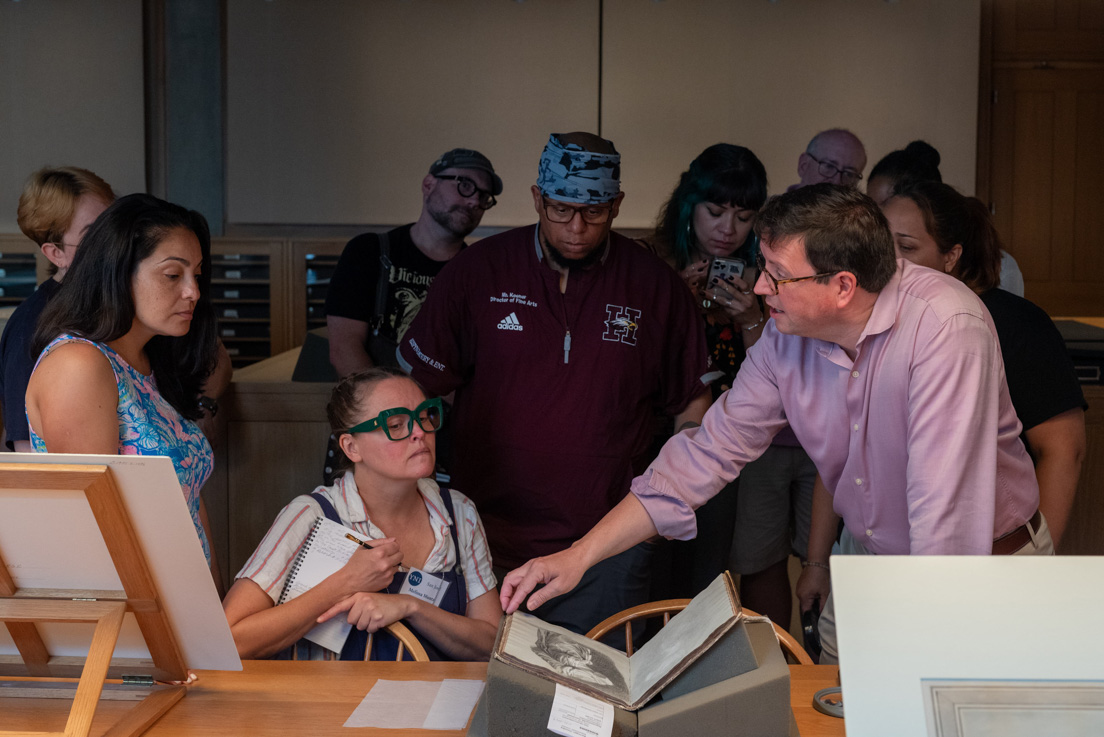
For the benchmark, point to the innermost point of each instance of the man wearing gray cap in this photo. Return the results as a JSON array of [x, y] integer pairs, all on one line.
[[560, 341], [381, 279]]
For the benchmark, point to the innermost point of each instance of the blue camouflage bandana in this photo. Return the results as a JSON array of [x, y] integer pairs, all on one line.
[[570, 174]]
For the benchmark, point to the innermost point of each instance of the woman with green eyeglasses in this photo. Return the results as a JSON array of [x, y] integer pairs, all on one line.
[[385, 429]]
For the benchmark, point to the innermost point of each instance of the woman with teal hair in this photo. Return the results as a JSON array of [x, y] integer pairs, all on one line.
[[710, 216]]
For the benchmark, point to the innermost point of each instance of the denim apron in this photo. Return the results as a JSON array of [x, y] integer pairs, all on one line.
[[384, 645]]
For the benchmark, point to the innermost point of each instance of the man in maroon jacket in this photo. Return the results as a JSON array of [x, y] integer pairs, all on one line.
[[560, 341]]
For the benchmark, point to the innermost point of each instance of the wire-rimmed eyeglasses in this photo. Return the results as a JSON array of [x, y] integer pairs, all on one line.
[[828, 170]]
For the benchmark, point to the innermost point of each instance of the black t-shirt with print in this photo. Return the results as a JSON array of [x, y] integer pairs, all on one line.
[[352, 292]]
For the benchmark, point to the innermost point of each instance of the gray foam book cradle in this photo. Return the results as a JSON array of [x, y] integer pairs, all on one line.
[[739, 687]]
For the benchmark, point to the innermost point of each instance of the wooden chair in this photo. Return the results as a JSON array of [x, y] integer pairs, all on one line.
[[406, 638], [668, 607], [407, 641]]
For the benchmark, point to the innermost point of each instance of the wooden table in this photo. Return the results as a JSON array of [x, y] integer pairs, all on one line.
[[284, 698]]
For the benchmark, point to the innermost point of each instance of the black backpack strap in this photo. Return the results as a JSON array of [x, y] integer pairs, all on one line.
[[461, 584], [383, 282], [327, 507]]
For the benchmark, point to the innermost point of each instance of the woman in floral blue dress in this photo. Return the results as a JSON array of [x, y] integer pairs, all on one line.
[[127, 344]]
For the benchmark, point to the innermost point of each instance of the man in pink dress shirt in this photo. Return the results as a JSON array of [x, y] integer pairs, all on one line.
[[891, 377]]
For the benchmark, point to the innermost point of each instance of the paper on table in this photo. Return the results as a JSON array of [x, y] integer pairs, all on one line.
[[446, 704], [575, 714], [453, 705]]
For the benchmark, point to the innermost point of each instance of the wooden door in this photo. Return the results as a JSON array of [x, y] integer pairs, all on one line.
[[1048, 29], [1042, 145], [1047, 182]]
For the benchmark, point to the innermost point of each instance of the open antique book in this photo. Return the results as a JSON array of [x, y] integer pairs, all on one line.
[[608, 674]]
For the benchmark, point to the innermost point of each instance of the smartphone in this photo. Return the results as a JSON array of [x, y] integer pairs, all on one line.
[[722, 268], [810, 630]]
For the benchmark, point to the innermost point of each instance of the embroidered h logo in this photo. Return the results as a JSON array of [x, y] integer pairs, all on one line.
[[621, 324]]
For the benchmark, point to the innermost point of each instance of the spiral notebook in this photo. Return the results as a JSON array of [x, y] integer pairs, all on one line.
[[327, 548]]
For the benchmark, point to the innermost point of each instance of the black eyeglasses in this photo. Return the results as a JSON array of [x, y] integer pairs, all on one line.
[[558, 212], [775, 282], [828, 170], [468, 188], [398, 423]]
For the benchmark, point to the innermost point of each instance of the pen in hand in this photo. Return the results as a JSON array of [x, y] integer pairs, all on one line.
[[367, 546]]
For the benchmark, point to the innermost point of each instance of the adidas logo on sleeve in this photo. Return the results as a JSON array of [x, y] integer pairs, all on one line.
[[510, 322]]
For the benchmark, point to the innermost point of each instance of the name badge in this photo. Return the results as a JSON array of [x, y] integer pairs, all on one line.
[[426, 586]]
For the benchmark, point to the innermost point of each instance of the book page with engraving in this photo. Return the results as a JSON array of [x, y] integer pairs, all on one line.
[[568, 657]]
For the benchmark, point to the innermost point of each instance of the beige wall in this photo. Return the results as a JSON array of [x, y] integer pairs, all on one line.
[[681, 75], [334, 117], [70, 93], [336, 109]]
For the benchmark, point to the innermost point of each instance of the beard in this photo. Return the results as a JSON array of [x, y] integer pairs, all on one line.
[[458, 220], [573, 264]]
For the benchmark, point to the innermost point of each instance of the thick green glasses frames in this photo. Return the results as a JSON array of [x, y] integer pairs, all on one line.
[[398, 423]]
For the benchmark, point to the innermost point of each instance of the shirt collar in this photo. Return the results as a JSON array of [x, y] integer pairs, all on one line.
[[540, 250], [354, 505], [882, 318], [884, 314]]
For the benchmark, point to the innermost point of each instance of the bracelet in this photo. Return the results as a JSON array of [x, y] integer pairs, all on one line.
[[815, 564], [754, 325]]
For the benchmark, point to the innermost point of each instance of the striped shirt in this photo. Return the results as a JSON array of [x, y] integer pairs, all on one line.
[[271, 561]]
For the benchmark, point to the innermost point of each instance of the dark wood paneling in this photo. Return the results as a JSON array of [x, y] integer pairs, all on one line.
[[1049, 29], [276, 439], [1046, 190]]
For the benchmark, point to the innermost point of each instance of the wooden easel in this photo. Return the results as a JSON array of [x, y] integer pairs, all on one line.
[[22, 610]]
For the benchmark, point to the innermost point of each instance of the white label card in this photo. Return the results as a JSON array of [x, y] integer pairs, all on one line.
[[426, 586], [575, 714]]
